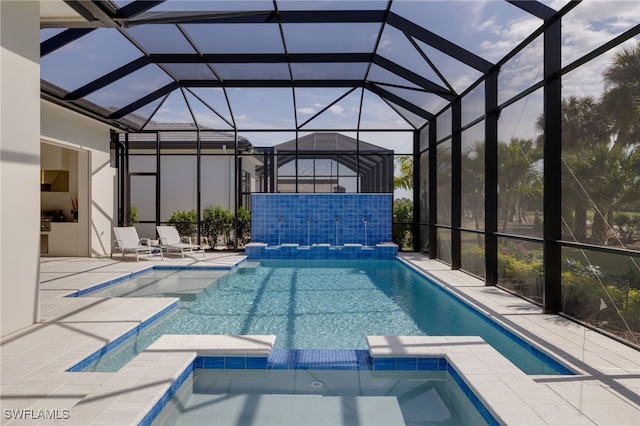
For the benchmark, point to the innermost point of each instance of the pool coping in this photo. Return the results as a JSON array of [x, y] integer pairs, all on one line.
[[500, 391], [94, 287]]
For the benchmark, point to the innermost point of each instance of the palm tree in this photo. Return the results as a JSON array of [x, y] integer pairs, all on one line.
[[583, 127], [443, 183], [583, 123], [473, 164], [620, 100], [518, 178], [606, 176], [405, 179]]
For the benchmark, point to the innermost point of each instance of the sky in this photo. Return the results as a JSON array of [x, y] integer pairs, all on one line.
[[489, 29]]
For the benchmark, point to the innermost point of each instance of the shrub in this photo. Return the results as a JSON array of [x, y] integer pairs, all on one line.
[[402, 218], [243, 216], [185, 221], [473, 260], [133, 215], [523, 276], [217, 222], [521, 269]]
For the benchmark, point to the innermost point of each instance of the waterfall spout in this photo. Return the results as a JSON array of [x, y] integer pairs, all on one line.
[[364, 221]]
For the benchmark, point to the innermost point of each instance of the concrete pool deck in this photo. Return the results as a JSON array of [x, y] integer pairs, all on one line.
[[606, 390]]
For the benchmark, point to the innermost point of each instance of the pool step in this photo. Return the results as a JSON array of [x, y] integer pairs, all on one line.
[[310, 410]]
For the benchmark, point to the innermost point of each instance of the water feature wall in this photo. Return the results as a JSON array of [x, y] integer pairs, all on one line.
[[322, 223]]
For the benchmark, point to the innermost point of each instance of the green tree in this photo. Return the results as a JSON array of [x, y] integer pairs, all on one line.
[[402, 218], [583, 126], [608, 175], [583, 123], [473, 164], [622, 92], [404, 180], [518, 178], [443, 182]]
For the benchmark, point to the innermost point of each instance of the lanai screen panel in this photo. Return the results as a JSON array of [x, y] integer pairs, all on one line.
[[129, 56]]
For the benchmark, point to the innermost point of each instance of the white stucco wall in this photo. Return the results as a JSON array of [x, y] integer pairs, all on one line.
[[19, 164], [178, 185], [67, 128]]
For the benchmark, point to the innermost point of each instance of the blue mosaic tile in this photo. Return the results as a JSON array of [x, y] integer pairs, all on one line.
[[319, 359], [308, 219], [384, 363], [235, 363], [257, 363], [105, 284], [406, 363], [162, 402], [315, 252], [428, 364], [484, 412], [213, 362]]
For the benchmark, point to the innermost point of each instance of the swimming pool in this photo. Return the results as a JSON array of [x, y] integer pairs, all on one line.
[[314, 304], [321, 397]]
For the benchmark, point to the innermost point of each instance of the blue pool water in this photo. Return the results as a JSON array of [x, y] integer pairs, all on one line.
[[313, 304]]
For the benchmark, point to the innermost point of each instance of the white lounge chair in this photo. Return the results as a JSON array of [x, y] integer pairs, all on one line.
[[127, 241], [170, 240]]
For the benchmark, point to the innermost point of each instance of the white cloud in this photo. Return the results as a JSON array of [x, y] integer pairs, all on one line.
[[489, 25], [385, 43], [590, 25], [306, 111], [336, 109]]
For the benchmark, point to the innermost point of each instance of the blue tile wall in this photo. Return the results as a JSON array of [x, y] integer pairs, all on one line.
[[320, 359], [166, 397], [315, 252], [283, 218]]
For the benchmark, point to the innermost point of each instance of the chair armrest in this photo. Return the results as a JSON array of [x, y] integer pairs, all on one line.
[[185, 240], [117, 244], [145, 242]]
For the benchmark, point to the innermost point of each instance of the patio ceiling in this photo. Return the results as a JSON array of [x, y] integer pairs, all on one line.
[[218, 64]]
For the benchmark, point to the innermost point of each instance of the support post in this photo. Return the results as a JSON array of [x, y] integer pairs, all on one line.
[[456, 184], [552, 198], [415, 225], [433, 196], [198, 184], [158, 179], [491, 178]]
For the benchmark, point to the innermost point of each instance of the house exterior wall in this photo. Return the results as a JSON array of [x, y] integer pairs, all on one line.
[[96, 177], [19, 164], [178, 186]]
